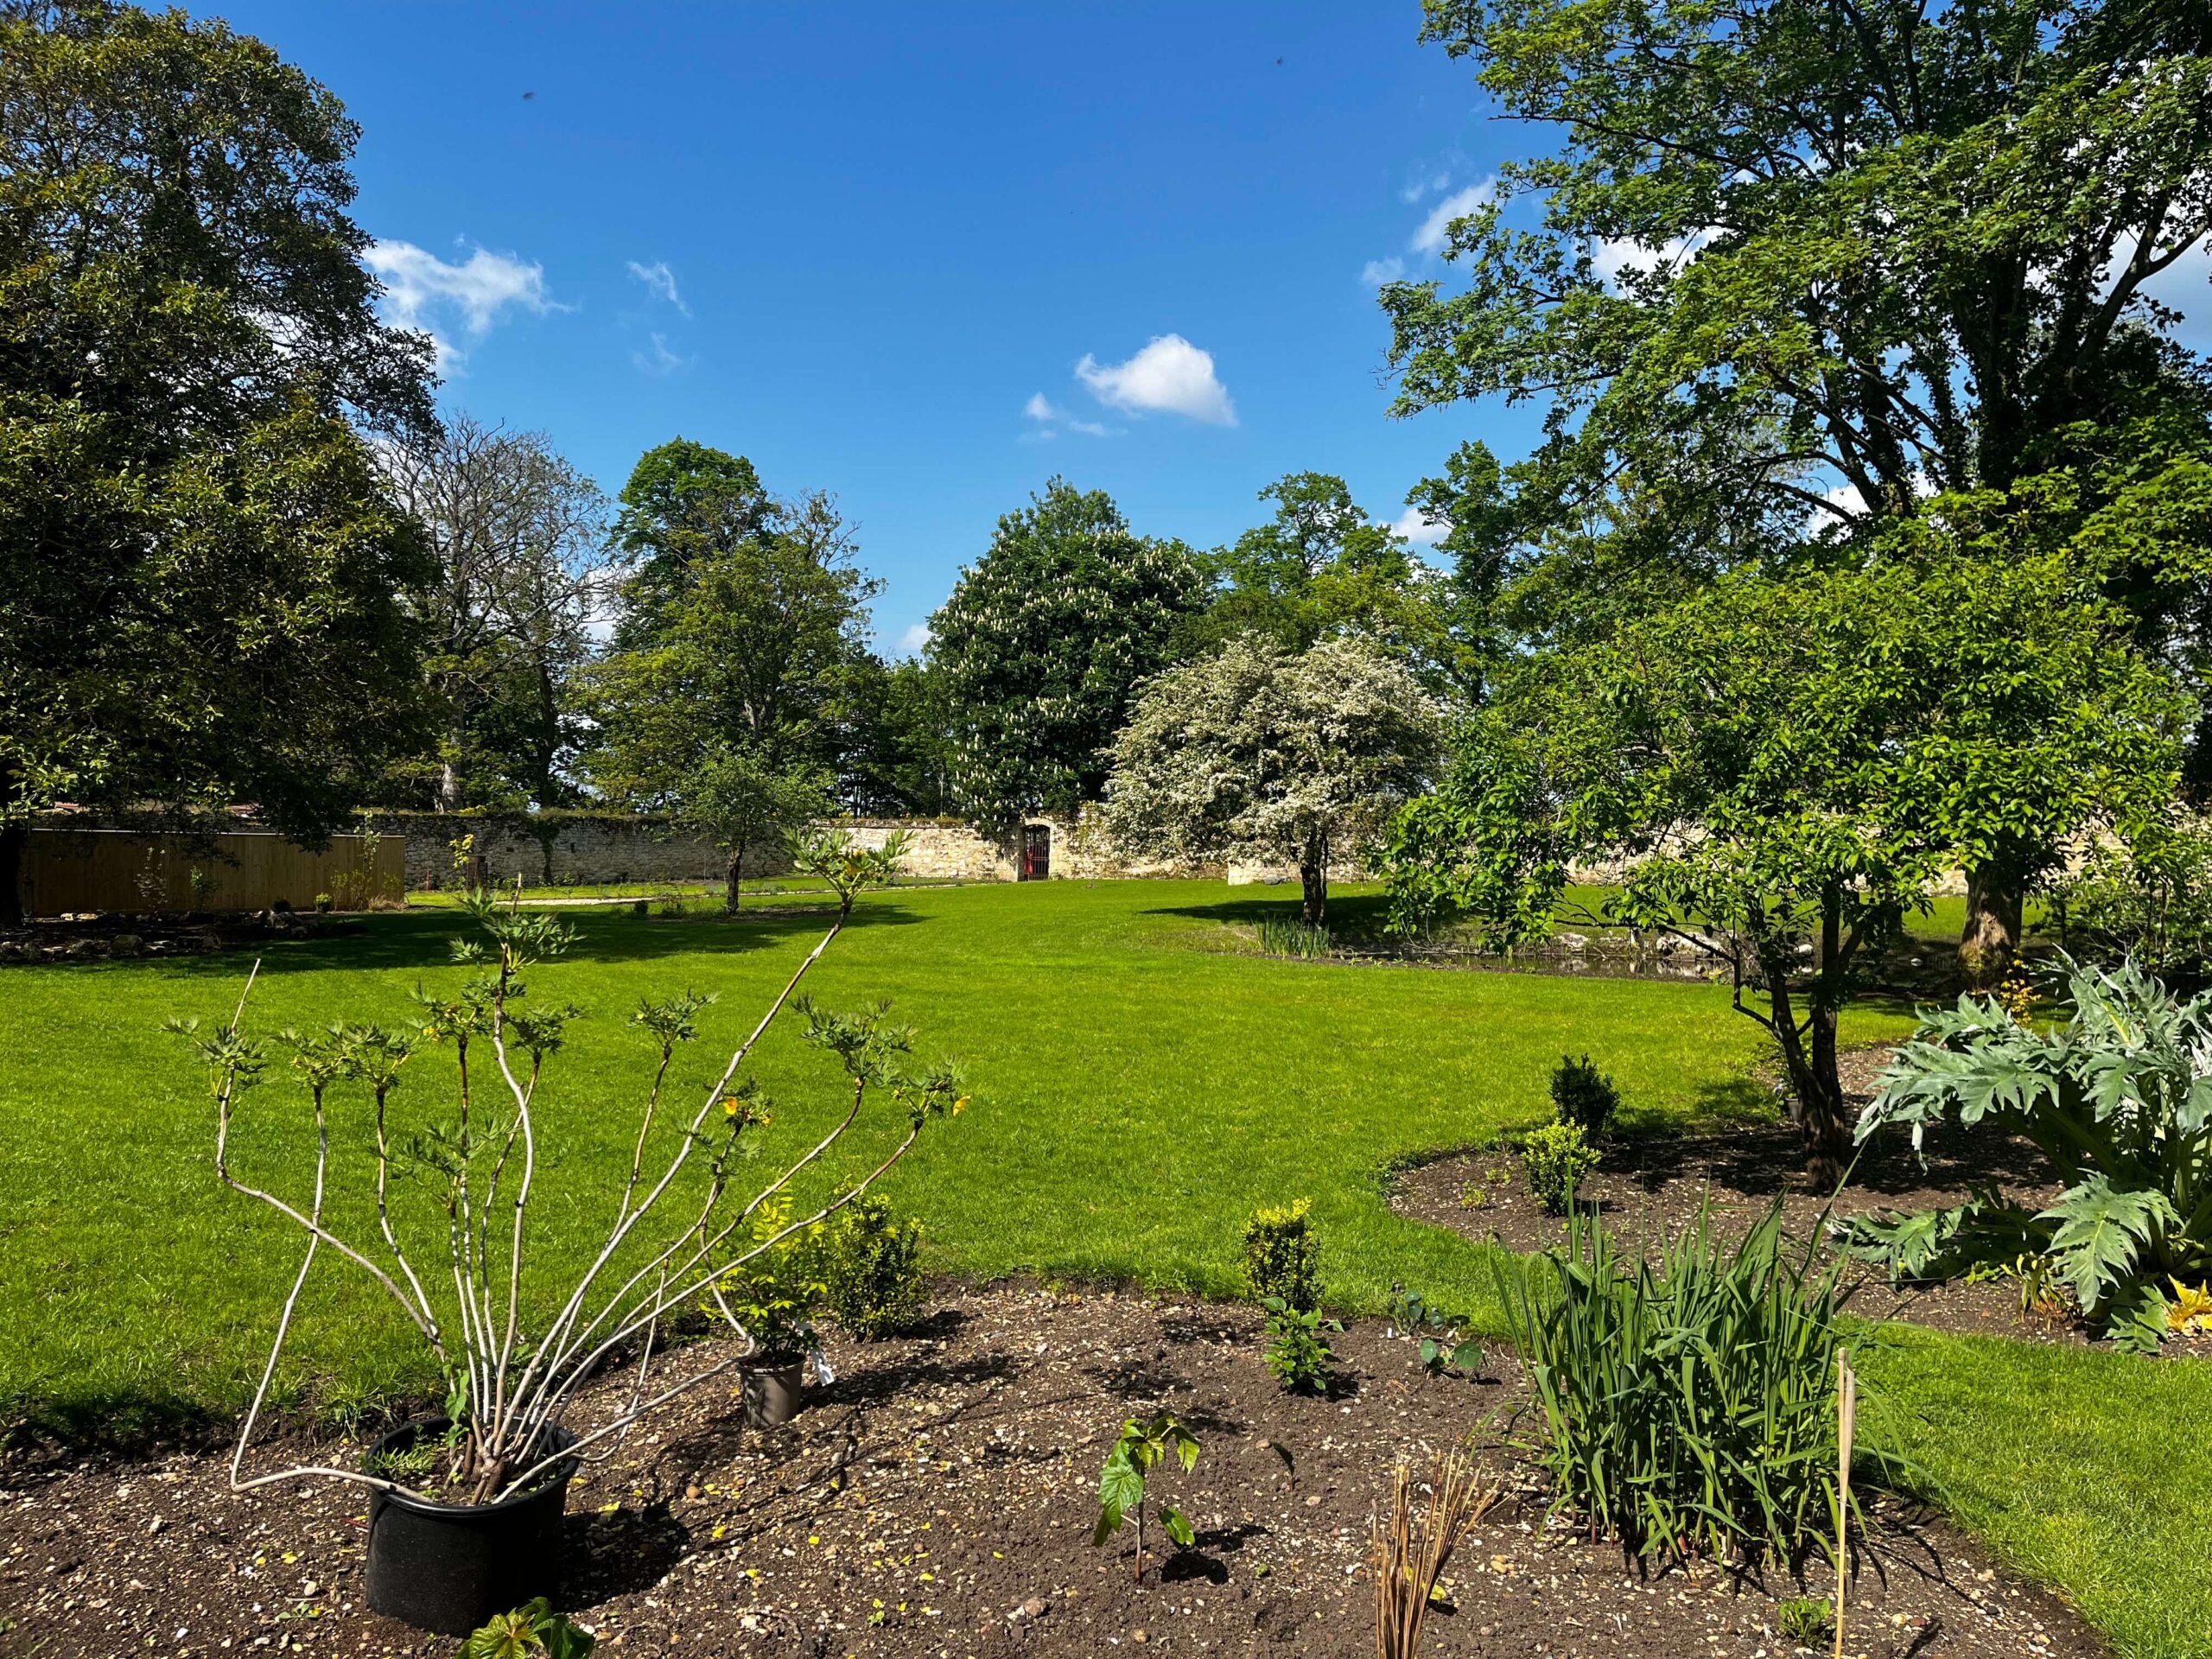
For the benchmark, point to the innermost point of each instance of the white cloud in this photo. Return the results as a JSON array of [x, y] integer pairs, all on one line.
[[422, 289], [1169, 373], [1420, 532], [1093, 429], [1612, 258], [662, 360], [1429, 239], [660, 283], [1376, 272], [1421, 187], [915, 641], [1039, 407]]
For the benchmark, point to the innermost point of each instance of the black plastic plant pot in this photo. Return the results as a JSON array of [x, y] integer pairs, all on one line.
[[449, 1567]]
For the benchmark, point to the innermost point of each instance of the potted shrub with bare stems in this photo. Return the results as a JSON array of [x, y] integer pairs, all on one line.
[[466, 1506]]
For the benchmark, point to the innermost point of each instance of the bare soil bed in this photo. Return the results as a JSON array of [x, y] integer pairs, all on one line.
[[1648, 1188], [938, 1499]]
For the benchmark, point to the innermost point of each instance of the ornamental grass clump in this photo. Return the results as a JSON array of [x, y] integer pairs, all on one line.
[[445, 1220], [1688, 1406]]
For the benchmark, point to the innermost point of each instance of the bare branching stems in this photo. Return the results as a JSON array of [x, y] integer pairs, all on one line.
[[1409, 1553], [508, 1387]]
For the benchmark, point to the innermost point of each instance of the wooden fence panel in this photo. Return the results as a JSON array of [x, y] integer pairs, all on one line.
[[74, 871]]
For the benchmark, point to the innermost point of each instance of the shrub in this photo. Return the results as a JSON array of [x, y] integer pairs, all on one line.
[[514, 1364], [1688, 1409], [2114, 1098], [1804, 1619], [1556, 1158], [771, 1295], [869, 1263], [1298, 1354], [2150, 904], [1584, 1096], [1282, 1256]]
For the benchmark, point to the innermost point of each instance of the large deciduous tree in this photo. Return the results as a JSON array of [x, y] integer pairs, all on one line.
[[519, 537], [202, 566], [1789, 764], [1791, 258], [1320, 567], [1256, 752], [741, 629], [1041, 645]]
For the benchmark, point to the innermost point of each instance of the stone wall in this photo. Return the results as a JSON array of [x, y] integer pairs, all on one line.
[[560, 849]]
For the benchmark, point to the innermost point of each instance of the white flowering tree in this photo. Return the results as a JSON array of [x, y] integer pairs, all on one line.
[[1259, 753]]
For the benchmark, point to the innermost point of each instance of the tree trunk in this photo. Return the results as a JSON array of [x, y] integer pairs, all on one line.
[[730, 881], [1314, 879], [14, 839], [448, 788], [1992, 938], [1816, 1102]]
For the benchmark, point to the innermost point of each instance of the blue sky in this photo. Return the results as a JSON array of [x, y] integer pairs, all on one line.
[[858, 243]]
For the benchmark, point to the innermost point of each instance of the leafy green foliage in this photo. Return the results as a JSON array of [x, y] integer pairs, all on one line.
[[203, 568], [1282, 1256], [1299, 1354], [1584, 1096], [2149, 902], [1142, 1447], [771, 1296], [1448, 1342], [1555, 1158], [1689, 1407], [531, 1629], [1041, 648], [870, 1263], [740, 639], [1804, 1619], [1321, 569], [1842, 738], [2115, 1097]]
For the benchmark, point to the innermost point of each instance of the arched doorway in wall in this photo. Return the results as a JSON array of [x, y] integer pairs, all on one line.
[[1036, 852]]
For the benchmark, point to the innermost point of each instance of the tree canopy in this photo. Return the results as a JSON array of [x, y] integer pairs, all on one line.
[[1794, 269], [741, 629], [1042, 644], [1257, 753], [1787, 765], [202, 565]]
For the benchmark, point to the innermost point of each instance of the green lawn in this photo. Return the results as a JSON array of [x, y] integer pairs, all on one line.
[[1136, 1096]]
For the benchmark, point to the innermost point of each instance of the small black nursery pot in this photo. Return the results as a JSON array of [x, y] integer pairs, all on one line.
[[448, 1567]]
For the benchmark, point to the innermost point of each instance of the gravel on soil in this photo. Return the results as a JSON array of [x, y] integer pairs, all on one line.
[[938, 1499]]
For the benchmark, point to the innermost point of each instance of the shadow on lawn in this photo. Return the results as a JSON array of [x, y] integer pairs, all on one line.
[[422, 939]]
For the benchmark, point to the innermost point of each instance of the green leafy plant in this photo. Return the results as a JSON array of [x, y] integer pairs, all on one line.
[[2115, 1097], [869, 1263], [771, 1296], [1556, 1157], [1804, 1619], [1584, 1096], [531, 1629], [1687, 1406], [1282, 937], [322, 902], [1298, 1354], [1142, 1447], [2150, 904], [1446, 1342], [1282, 1255]]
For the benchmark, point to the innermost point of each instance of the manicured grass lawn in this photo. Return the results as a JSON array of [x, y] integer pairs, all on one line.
[[1138, 1092]]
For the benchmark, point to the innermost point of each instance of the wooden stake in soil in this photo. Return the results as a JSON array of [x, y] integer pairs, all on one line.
[[1409, 1558], [1846, 1414]]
